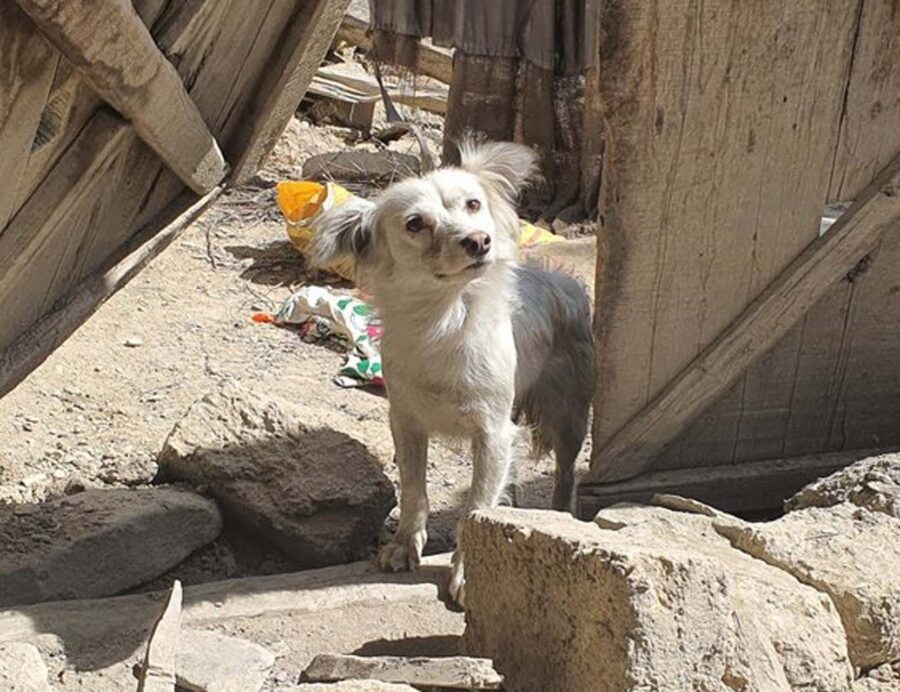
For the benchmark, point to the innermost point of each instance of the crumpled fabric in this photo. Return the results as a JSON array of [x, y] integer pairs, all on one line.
[[341, 321]]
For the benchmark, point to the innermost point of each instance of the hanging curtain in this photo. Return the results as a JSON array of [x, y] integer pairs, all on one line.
[[520, 72]]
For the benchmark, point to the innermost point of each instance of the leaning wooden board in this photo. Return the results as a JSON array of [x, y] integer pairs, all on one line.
[[727, 127], [97, 148]]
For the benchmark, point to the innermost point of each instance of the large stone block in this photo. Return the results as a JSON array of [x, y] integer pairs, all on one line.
[[660, 603], [317, 493]]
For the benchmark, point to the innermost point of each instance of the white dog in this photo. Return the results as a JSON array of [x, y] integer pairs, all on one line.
[[472, 341]]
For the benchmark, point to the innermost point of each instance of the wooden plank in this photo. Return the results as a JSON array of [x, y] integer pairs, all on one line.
[[431, 60], [720, 121], [821, 266], [32, 347], [76, 171], [344, 85], [832, 383], [70, 103], [302, 47], [109, 44], [758, 487], [27, 65]]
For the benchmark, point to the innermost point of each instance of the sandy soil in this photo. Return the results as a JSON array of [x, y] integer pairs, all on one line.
[[96, 413]]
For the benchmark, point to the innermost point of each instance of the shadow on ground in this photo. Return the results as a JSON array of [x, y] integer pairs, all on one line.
[[275, 264]]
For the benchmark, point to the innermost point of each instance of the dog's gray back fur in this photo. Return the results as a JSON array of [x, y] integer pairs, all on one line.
[[555, 367]]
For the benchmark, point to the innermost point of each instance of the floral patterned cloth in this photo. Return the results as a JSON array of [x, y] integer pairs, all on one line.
[[340, 321]]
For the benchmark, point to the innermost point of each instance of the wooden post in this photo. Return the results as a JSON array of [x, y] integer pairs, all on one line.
[[112, 49], [823, 264], [303, 45]]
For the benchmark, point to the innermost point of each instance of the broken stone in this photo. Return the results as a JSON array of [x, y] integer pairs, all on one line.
[[885, 678], [317, 493], [849, 553], [873, 483], [663, 602], [158, 669], [22, 669], [379, 168], [212, 662], [99, 542], [453, 672], [353, 686]]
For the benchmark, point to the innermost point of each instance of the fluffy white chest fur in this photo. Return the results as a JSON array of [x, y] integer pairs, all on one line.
[[450, 362]]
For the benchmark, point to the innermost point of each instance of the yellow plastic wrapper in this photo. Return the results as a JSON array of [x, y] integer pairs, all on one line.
[[531, 235], [301, 201]]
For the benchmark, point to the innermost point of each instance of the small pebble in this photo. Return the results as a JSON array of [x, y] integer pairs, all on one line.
[[134, 341]]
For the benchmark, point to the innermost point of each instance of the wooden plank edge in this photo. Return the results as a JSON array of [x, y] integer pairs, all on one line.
[[824, 263], [303, 44], [119, 60], [757, 487], [38, 342]]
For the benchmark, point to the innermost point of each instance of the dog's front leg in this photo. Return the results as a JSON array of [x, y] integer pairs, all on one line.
[[404, 552], [491, 454]]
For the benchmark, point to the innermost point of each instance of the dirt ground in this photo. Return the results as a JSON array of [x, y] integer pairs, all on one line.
[[96, 412]]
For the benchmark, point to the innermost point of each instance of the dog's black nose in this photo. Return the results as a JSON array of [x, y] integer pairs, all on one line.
[[476, 244]]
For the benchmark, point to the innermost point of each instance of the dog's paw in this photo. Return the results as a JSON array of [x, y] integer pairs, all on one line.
[[402, 556], [458, 580]]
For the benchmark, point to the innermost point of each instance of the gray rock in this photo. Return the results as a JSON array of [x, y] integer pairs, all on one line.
[[99, 542], [884, 678], [317, 493], [352, 686], [661, 603], [212, 662], [873, 483], [381, 167], [849, 553], [22, 669], [450, 672]]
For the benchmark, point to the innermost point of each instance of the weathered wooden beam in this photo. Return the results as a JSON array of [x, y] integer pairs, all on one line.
[[431, 61], [32, 347], [302, 46], [112, 49], [824, 263], [25, 81], [74, 174], [750, 488]]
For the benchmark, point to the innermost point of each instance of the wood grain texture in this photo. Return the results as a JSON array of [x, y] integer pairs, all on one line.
[[301, 50], [35, 344], [113, 50], [80, 209], [720, 121], [828, 385], [27, 66], [785, 301]]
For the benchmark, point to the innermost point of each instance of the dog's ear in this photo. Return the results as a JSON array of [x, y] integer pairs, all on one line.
[[344, 232], [506, 166]]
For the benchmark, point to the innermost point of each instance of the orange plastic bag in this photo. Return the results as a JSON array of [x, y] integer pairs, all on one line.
[[301, 201]]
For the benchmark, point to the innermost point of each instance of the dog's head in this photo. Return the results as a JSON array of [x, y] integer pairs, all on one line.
[[449, 226]]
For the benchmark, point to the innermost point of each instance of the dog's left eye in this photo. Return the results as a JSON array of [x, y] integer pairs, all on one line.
[[415, 224], [473, 205]]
